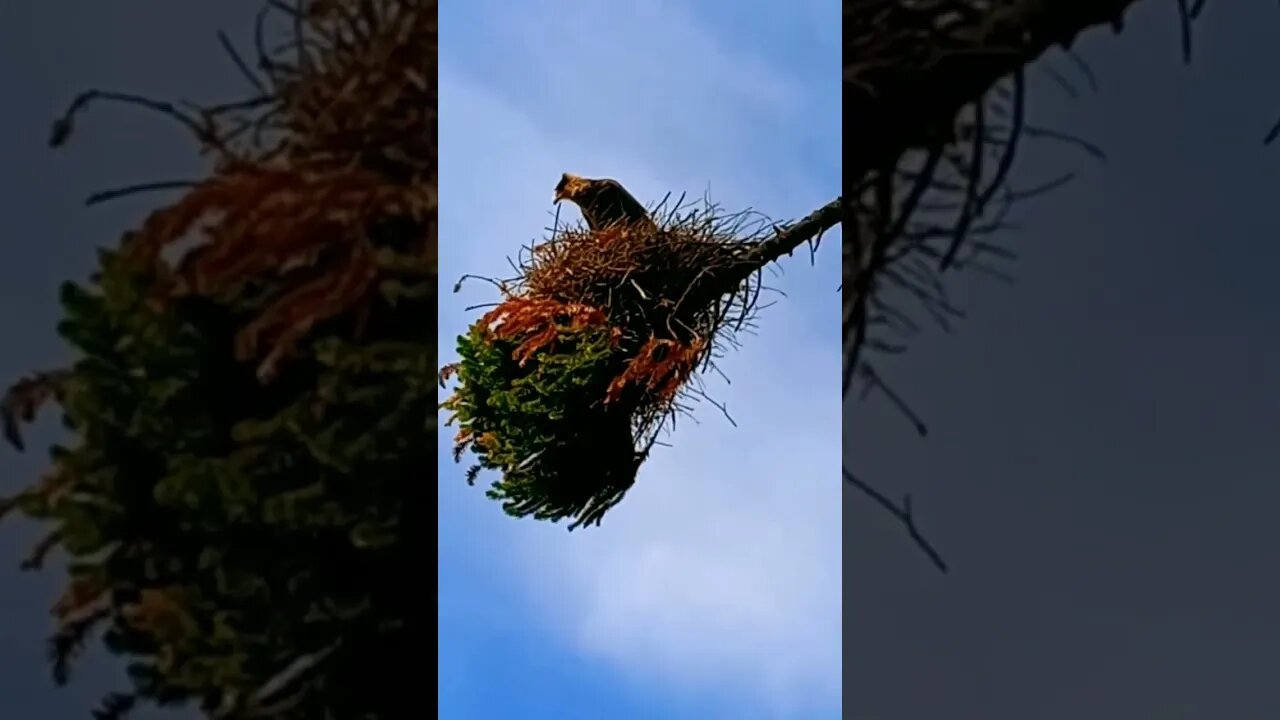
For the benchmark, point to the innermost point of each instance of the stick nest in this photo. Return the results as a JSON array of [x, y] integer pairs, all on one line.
[[598, 345]]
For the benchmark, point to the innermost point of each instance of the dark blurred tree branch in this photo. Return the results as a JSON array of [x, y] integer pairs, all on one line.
[[910, 68], [933, 110]]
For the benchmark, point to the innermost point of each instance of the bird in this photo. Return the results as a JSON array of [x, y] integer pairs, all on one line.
[[603, 202]]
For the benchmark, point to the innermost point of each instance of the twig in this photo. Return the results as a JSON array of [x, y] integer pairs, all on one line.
[[204, 133], [240, 63], [115, 193], [875, 382], [903, 513]]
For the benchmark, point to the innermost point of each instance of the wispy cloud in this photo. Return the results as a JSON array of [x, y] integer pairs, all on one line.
[[721, 569]]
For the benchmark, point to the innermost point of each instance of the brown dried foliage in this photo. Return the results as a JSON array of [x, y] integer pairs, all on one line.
[[535, 323], [307, 230], [340, 144], [81, 593], [660, 369], [343, 132], [160, 612]]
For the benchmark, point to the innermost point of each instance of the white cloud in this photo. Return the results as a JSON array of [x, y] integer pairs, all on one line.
[[721, 568], [723, 564]]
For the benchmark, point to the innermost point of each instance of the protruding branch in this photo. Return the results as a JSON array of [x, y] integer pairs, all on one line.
[[25, 398], [902, 512], [910, 71], [787, 239], [793, 236]]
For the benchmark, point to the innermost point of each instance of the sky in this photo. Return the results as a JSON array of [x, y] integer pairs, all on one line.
[[713, 590], [1102, 465]]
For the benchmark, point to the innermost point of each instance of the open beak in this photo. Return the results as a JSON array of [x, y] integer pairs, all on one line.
[[562, 188]]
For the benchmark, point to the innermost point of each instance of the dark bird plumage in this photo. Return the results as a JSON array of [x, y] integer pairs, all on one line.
[[603, 202]]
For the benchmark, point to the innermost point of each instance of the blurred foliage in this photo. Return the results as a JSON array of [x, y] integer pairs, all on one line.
[[246, 419]]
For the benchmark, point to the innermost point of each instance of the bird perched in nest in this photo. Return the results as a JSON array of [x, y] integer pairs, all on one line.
[[603, 202]]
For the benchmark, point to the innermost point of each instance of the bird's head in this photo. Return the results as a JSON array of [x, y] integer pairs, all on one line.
[[570, 186]]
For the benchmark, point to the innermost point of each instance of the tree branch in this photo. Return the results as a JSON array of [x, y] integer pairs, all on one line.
[[910, 67], [793, 236], [902, 512], [909, 71], [755, 257]]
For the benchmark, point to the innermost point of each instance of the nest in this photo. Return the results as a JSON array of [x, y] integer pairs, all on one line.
[[565, 386]]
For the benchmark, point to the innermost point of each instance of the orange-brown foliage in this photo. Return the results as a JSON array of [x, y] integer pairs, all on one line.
[[160, 612], [660, 367], [270, 223], [536, 322], [80, 593], [354, 125]]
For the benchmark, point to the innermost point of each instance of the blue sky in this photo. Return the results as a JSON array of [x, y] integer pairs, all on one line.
[[713, 591]]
